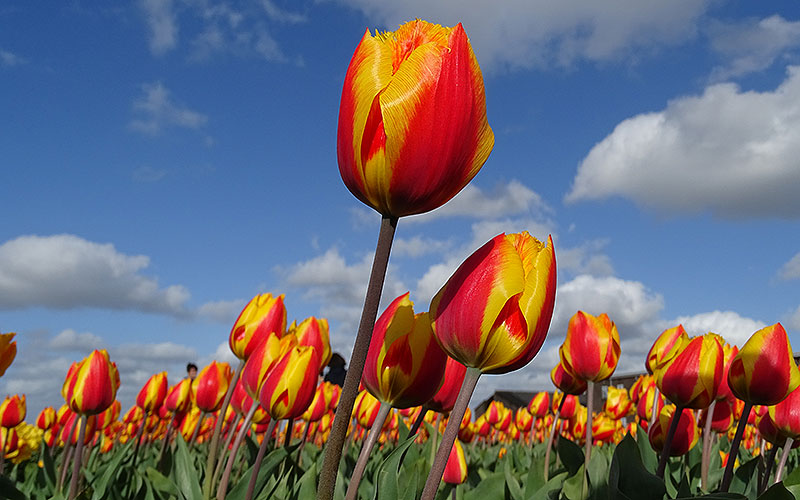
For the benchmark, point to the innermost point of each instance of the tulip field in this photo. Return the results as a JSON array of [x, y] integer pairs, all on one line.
[[706, 419]]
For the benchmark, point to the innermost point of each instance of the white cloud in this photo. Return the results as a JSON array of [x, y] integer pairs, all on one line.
[[70, 340], [585, 259], [700, 154], [67, 272], [791, 269], [753, 44], [161, 21], [536, 33], [156, 111], [10, 59], [281, 15], [222, 311], [417, 246], [794, 322], [735, 329]]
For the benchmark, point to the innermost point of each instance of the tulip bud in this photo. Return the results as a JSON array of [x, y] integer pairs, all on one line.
[[262, 360], [405, 365], [686, 435], [455, 472], [764, 371], [46, 419], [110, 415], [412, 121], [569, 407], [264, 315], [786, 415], [318, 406], [8, 351], [494, 312], [591, 349], [566, 382], [152, 394], [690, 379], [666, 347], [539, 404], [289, 387], [314, 332], [618, 404], [210, 386], [12, 411], [92, 384], [603, 428], [179, 396], [523, 419]]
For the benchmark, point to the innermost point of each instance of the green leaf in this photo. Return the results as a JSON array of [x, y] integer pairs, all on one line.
[[573, 486], [308, 484], [793, 478], [777, 492], [387, 486], [9, 490], [186, 476], [112, 469], [649, 458], [571, 455], [160, 482], [268, 464], [629, 478], [511, 482], [492, 487], [550, 489], [745, 478], [598, 475], [535, 478]]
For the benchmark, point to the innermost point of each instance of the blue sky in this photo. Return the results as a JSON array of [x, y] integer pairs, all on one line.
[[165, 160]]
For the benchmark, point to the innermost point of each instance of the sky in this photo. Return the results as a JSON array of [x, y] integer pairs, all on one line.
[[163, 161]]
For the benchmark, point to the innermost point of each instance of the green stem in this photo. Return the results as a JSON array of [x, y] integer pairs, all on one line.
[[165, 443], [366, 449], [262, 450], [333, 448], [550, 439], [76, 462], [208, 483], [782, 464], [767, 469], [728, 476], [707, 446], [588, 446], [673, 426], [226, 476], [450, 433]]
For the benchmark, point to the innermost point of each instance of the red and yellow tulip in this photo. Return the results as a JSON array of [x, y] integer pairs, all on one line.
[[264, 315], [179, 396], [666, 347], [92, 384], [46, 418], [786, 415], [405, 365], [262, 360], [12, 411], [494, 312], [764, 371], [539, 404], [566, 382], [690, 379], [314, 332], [618, 404], [455, 472], [8, 351], [412, 121], [686, 434], [289, 387], [444, 400], [152, 394], [210, 386], [591, 350]]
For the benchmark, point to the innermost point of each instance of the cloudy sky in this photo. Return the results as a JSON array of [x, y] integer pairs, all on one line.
[[165, 160]]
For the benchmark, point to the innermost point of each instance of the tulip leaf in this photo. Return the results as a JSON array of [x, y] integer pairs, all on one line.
[[571, 455], [777, 492], [112, 468], [551, 489], [9, 490], [492, 486], [745, 478], [648, 457], [268, 464], [160, 482], [535, 477], [307, 485], [511, 482], [598, 474], [573, 486], [186, 476], [628, 477], [793, 478], [386, 479]]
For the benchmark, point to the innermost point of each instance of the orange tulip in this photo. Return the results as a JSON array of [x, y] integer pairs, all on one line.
[[210, 386], [405, 365], [494, 312], [8, 351], [591, 350], [264, 315], [764, 371], [412, 121], [152, 394], [92, 384], [12, 411]]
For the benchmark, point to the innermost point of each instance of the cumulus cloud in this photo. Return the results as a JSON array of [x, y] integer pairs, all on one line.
[[67, 272], [155, 110], [162, 23], [282, 15], [734, 328], [791, 269], [222, 311], [753, 44], [538, 33], [699, 155], [586, 258], [417, 246], [70, 340]]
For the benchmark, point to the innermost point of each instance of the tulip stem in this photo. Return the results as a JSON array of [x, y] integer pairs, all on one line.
[[787, 447], [212, 448], [450, 433], [770, 461], [76, 462], [366, 449], [226, 476], [552, 436], [673, 426], [165, 443], [197, 428], [706, 460], [68, 451], [333, 448], [262, 450], [139, 433], [221, 459], [418, 422], [654, 409], [588, 445], [734, 450]]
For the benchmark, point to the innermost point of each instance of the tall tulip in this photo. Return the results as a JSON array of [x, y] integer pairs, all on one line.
[[591, 349], [314, 332], [289, 387], [179, 396], [262, 316], [492, 315], [666, 347], [152, 394], [8, 351], [763, 372], [685, 437], [92, 384], [539, 404], [412, 133], [690, 379], [211, 385], [262, 360]]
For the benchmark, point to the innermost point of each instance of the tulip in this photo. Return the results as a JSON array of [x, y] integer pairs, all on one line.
[[523, 420], [539, 404], [92, 384], [314, 332], [591, 350], [649, 397], [110, 415], [289, 387], [262, 360], [603, 428], [319, 404], [264, 315], [722, 418], [8, 351], [764, 371], [786, 415], [179, 396], [211, 385], [152, 394], [724, 390], [412, 121], [444, 400], [12, 411], [46, 418], [455, 472], [618, 404], [690, 379], [405, 365], [685, 436], [666, 347]]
